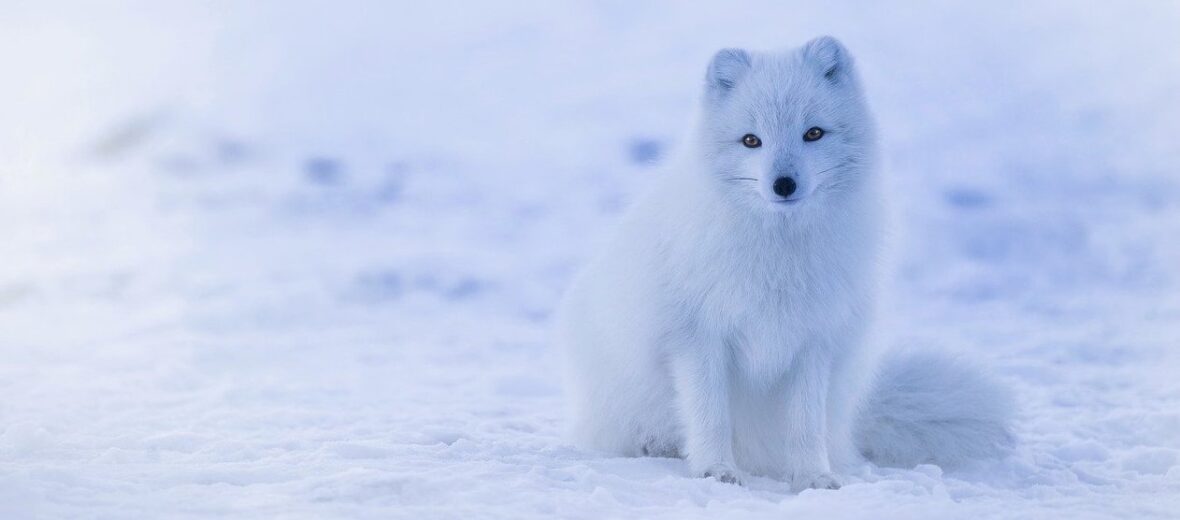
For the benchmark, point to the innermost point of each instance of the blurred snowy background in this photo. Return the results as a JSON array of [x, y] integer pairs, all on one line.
[[297, 259]]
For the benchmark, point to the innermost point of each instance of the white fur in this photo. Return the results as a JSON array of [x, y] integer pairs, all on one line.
[[724, 324], [927, 408]]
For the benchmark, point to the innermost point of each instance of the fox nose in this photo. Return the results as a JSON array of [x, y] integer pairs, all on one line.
[[784, 186]]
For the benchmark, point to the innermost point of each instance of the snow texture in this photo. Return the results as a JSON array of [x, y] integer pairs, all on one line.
[[295, 259]]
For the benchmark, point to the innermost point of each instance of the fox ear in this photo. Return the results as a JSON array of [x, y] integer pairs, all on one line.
[[829, 57], [727, 67]]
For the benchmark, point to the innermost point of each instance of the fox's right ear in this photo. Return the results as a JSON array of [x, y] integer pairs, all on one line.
[[727, 67], [830, 57]]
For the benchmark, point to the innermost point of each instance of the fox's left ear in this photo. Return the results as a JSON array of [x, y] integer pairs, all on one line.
[[829, 57]]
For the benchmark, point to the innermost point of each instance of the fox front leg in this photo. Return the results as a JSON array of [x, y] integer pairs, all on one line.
[[807, 439], [702, 388]]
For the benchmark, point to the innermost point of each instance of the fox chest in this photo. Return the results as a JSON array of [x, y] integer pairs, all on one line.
[[767, 315]]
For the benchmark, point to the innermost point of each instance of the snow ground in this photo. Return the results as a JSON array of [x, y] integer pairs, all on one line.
[[297, 260]]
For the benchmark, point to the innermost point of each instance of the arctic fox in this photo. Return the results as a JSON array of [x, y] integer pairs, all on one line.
[[727, 321]]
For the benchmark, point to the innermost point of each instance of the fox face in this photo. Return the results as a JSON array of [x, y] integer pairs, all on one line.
[[784, 131]]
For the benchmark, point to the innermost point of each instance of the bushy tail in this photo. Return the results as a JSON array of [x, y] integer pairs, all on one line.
[[928, 408]]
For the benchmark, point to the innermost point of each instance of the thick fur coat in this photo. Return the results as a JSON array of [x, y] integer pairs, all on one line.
[[726, 323]]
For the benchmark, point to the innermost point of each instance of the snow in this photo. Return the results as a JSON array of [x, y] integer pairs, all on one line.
[[278, 259]]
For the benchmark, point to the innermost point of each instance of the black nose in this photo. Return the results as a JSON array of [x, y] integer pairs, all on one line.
[[784, 186]]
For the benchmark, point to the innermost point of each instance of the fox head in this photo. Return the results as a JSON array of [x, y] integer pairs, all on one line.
[[786, 131]]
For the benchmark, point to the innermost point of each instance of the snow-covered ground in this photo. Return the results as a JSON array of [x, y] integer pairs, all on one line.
[[298, 259]]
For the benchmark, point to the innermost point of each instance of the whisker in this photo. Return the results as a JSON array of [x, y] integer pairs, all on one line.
[[841, 165]]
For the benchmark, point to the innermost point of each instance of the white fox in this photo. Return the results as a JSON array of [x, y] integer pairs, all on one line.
[[726, 323]]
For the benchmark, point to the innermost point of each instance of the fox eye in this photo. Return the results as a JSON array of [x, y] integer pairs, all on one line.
[[813, 134], [751, 141]]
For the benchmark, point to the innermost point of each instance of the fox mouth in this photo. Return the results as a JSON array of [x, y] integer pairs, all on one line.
[[783, 205]]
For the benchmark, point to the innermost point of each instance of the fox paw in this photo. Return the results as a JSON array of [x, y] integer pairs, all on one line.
[[815, 481], [723, 473]]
